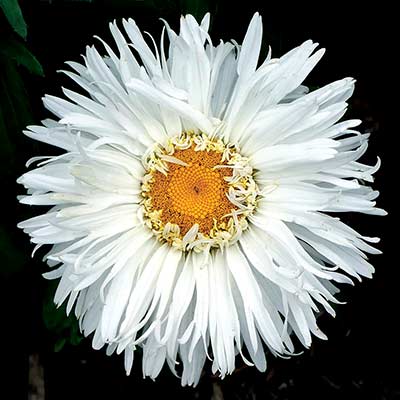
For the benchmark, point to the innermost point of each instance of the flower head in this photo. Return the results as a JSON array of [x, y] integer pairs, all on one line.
[[189, 207]]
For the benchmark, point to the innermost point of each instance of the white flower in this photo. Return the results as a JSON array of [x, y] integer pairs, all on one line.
[[189, 207]]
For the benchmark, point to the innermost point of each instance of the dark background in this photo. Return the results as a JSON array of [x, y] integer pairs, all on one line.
[[360, 360]]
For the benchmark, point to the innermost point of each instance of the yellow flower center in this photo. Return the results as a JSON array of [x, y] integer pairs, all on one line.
[[192, 193], [197, 192]]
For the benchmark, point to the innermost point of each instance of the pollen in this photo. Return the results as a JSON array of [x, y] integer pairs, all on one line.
[[195, 193]]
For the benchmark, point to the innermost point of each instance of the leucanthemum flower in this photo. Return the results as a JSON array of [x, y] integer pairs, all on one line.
[[189, 207]]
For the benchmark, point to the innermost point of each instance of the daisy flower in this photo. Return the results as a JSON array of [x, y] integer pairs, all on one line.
[[192, 207]]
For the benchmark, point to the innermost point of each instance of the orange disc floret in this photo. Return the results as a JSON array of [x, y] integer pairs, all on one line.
[[195, 193], [195, 190]]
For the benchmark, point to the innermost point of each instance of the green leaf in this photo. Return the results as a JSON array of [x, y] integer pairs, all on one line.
[[16, 51], [76, 336], [15, 110], [59, 344], [15, 107], [13, 13], [15, 113], [64, 329]]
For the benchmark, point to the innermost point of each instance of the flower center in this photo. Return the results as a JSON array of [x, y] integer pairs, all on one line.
[[197, 192]]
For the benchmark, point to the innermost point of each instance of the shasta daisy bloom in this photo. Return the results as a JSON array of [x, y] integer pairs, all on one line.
[[191, 209]]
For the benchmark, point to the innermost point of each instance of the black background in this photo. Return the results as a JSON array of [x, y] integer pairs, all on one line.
[[360, 359]]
